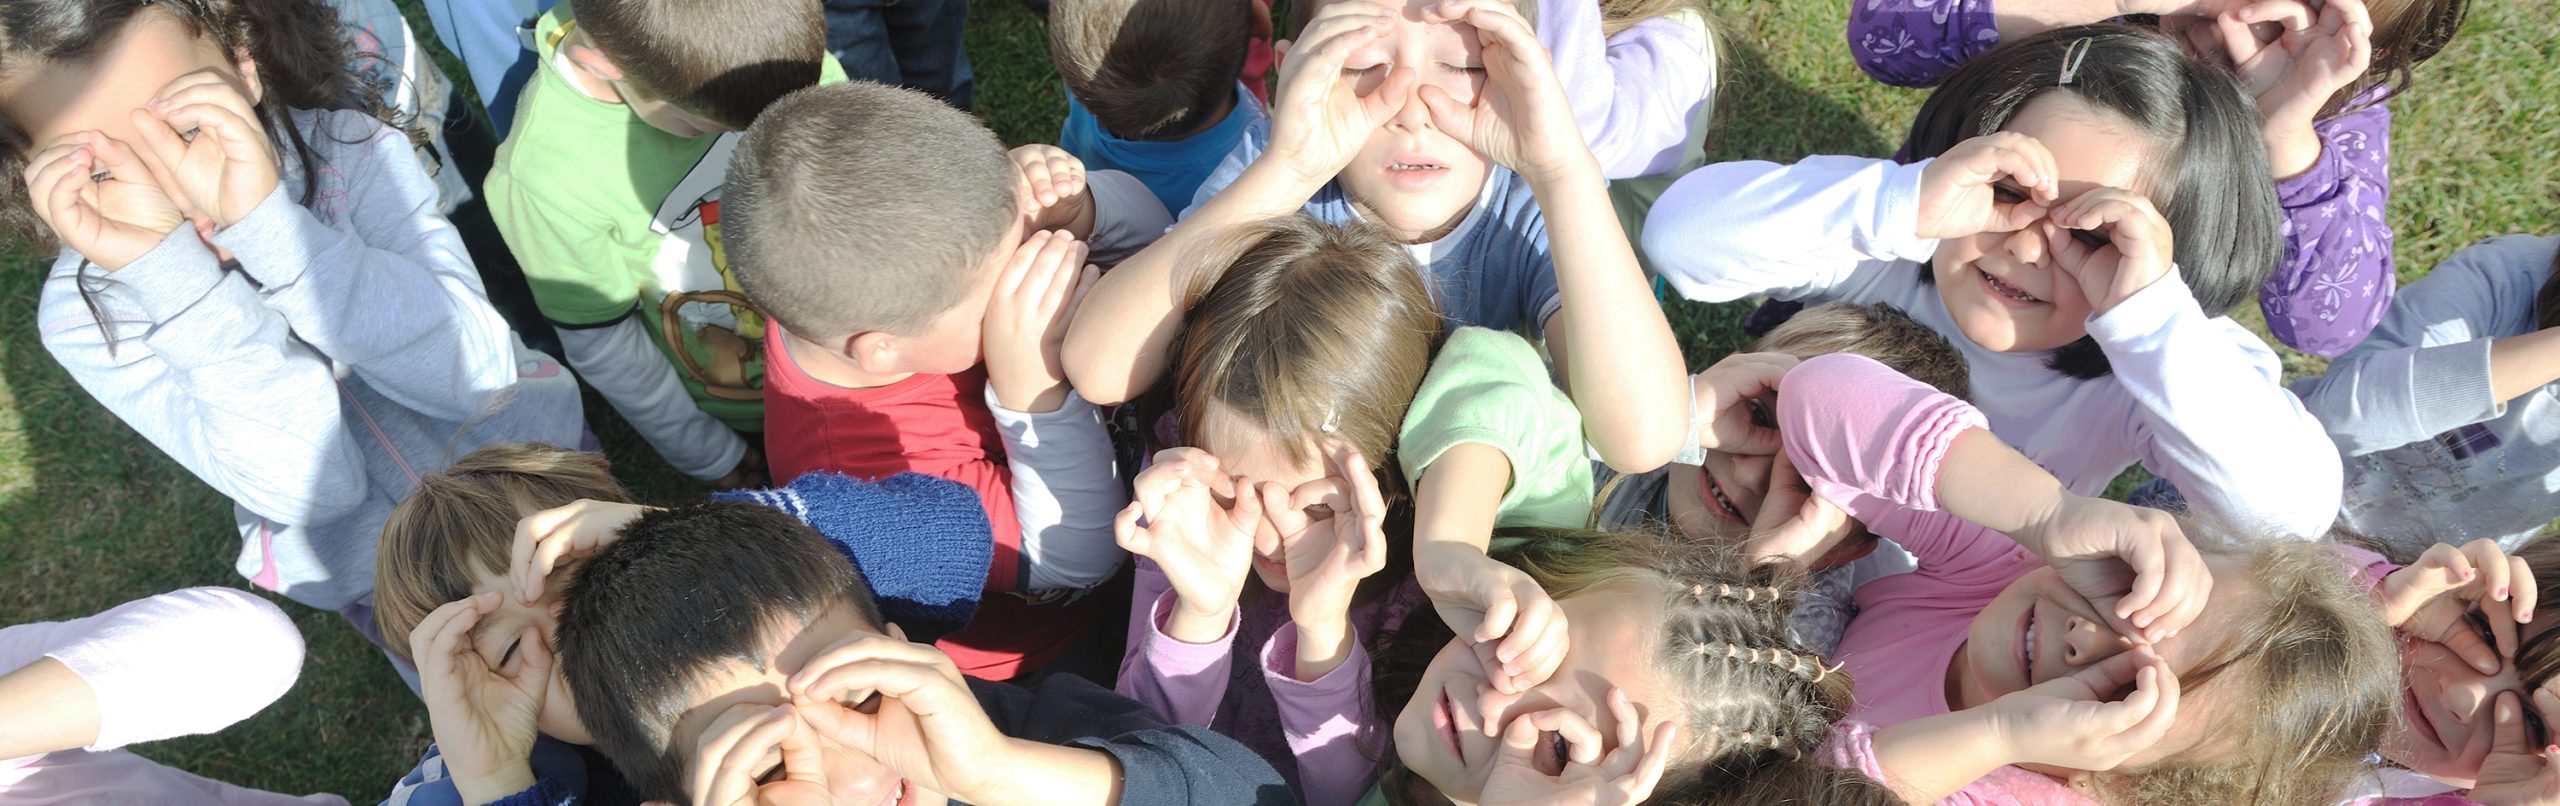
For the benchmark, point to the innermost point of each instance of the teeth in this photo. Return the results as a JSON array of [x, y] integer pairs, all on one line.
[[2009, 291], [2030, 649], [1400, 166]]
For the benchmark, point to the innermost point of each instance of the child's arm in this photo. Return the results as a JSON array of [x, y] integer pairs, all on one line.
[[186, 662], [2067, 722], [1065, 488], [483, 714], [1194, 557], [1636, 94], [2438, 361], [1737, 229], [1316, 669], [1118, 345], [1111, 211], [1609, 338]]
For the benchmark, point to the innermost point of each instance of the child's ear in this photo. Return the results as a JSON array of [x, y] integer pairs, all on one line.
[[873, 352], [248, 67], [588, 58]]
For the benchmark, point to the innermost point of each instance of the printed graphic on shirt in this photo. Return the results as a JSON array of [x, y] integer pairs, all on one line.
[[697, 293]]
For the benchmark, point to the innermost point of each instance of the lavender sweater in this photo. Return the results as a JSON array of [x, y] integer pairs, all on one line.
[[2336, 279]]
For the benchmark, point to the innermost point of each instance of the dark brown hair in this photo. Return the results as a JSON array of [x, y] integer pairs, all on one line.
[[2538, 657], [461, 523], [725, 60], [1150, 69], [858, 207]]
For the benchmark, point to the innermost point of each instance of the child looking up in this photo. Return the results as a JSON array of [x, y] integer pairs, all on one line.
[[608, 192], [2085, 209], [252, 274], [1384, 117], [1152, 87], [2320, 71]]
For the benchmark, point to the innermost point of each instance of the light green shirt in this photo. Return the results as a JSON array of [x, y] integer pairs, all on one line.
[[1491, 387]]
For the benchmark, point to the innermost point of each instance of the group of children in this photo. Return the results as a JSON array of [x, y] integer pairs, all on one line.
[[1304, 425]]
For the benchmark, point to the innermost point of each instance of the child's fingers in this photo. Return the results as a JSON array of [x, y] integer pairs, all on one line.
[[2292, 15], [1539, 662], [1525, 630], [1582, 740], [534, 654], [733, 752], [56, 186], [1623, 711], [1649, 768], [230, 131], [1448, 114], [2158, 689], [1125, 531], [868, 649], [1519, 744], [803, 756], [2528, 591], [1388, 99], [2508, 726], [441, 635], [1498, 615], [1244, 517]]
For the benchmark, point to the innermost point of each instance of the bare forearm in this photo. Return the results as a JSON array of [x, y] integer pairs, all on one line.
[[1985, 482], [1037, 774], [46, 708], [2521, 364], [1615, 350], [1927, 759]]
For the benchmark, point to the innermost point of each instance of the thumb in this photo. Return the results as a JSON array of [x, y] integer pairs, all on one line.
[[1447, 114]]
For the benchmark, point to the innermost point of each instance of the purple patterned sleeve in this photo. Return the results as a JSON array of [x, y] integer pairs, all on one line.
[[1915, 43], [2336, 279]]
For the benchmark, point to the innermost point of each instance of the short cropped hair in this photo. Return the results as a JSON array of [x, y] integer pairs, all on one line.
[[682, 591], [857, 207], [725, 60], [461, 524], [1150, 69], [1878, 331]]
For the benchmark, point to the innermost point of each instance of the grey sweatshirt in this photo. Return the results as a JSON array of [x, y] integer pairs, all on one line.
[[2431, 455], [351, 351]]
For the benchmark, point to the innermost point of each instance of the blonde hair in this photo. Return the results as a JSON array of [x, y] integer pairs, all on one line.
[[2317, 677], [1619, 15], [461, 523], [1877, 331]]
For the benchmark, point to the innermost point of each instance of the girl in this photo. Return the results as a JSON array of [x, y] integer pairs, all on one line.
[[2320, 71], [1395, 116], [253, 274], [2447, 416], [2036, 232], [1641, 76], [1988, 673]]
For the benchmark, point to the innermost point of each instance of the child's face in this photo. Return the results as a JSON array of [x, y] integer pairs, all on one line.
[[1412, 178], [2446, 710], [1254, 457], [497, 638], [2039, 629], [1440, 733], [103, 93], [852, 776], [2003, 288]]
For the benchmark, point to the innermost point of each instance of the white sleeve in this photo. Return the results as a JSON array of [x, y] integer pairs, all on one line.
[[1066, 491], [1735, 229], [624, 365], [2218, 421], [1126, 216], [181, 663]]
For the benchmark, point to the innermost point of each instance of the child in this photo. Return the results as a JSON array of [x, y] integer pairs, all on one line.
[[2011, 650], [185, 662], [1292, 369], [1152, 87], [781, 655], [2437, 415], [1383, 118], [274, 302], [2320, 73], [2039, 228], [1641, 75], [889, 237], [608, 192], [468, 579]]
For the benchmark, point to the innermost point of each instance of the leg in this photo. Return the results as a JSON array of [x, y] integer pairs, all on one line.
[[858, 35], [932, 54]]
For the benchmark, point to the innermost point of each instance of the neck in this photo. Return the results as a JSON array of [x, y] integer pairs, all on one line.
[[828, 367]]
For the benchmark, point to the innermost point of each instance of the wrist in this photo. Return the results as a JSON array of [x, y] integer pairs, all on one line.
[[2292, 148], [497, 784], [1030, 772], [1322, 647], [1199, 624], [1572, 166]]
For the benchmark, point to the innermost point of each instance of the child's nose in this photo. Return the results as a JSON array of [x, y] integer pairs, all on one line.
[[1414, 116], [2027, 246], [2086, 641]]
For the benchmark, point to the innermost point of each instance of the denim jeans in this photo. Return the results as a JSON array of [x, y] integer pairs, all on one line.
[[910, 43]]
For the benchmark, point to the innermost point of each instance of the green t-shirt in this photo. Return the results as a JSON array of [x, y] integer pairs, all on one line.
[[609, 215], [1491, 387]]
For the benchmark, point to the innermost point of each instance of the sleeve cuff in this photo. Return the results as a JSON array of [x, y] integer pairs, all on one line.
[[2319, 183], [172, 277], [1897, 221], [1280, 666], [267, 243], [1024, 427], [1126, 215], [2450, 385], [1173, 657]]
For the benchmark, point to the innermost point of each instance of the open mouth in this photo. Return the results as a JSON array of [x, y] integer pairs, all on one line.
[[1715, 494], [1448, 718], [2007, 291], [2027, 648]]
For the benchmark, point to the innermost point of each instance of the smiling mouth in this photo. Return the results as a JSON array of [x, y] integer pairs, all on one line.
[[2007, 290], [2027, 648], [1715, 495], [1415, 166], [2417, 718], [1449, 727]]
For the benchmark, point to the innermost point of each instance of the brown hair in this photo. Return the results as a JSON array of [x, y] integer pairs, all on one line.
[[2538, 657], [1619, 15], [1753, 708], [1308, 322], [2546, 305], [1877, 331], [2406, 33], [1300, 11], [461, 523], [1151, 69], [2316, 677], [724, 60], [858, 207]]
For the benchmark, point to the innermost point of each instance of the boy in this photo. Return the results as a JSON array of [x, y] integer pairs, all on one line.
[[1152, 87], [884, 233], [776, 675], [608, 189]]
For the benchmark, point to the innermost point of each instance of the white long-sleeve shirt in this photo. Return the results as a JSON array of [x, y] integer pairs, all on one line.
[[2197, 400]]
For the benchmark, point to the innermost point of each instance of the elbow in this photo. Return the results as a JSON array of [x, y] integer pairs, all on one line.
[[1642, 448]]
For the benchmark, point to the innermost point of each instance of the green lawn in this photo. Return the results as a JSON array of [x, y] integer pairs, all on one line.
[[90, 515]]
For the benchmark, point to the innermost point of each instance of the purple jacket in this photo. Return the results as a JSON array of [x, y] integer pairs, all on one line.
[[2336, 279]]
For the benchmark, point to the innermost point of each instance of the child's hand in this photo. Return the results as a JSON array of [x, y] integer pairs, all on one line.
[[748, 474], [1999, 182], [2112, 241], [1204, 549], [560, 534], [100, 199], [1485, 601], [1553, 757], [2104, 548], [2432, 598], [1520, 117], [2516, 773], [1732, 396], [737, 753], [2313, 56], [1319, 118], [1051, 190], [2069, 722], [1332, 536], [906, 705], [483, 718], [206, 134], [1026, 324], [1793, 523]]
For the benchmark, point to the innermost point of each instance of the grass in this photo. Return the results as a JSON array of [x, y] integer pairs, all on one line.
[[91, 515]]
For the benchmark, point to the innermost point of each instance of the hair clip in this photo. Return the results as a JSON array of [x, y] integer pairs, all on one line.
[[1332, 421], [2072, 56]]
